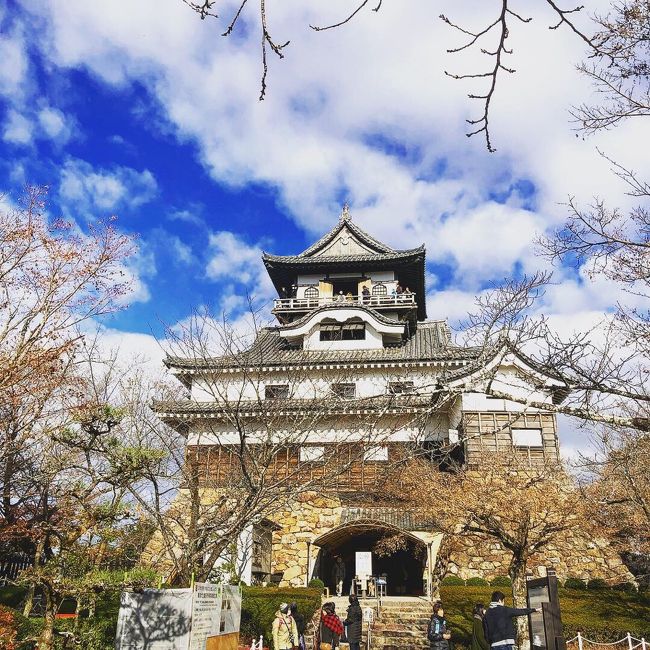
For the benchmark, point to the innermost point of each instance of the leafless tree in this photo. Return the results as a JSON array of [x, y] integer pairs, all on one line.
[[229, 453]]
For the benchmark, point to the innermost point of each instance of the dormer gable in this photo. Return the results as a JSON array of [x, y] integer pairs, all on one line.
[[343, 328], [346, 238]]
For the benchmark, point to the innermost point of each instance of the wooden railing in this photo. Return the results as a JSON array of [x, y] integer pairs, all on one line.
[[397, 300]]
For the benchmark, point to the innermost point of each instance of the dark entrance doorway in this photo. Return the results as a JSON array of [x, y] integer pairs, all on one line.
[[403, 569]]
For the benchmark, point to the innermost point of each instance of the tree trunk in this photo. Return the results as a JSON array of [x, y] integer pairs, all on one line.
[[517, 573], [29, 602], [46, 640], [440, 567]]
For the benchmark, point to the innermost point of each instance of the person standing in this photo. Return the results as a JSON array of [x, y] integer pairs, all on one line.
[[438, 634], [353, 622], [331, 627], [479, 642], [285, 632], [498, 622], [365, 295], [339, 575], [300, 624]]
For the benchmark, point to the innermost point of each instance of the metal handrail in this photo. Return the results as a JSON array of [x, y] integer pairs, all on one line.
[[397, 300]]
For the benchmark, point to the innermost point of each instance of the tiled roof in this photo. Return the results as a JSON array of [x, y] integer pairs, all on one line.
[[401, 403], [330, 259], [348, 224], [430, 342]]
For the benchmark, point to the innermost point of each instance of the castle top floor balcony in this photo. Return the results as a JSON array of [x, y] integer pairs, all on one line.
[[385, 302]]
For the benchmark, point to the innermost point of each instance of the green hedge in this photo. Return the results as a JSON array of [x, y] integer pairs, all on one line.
[[259, 605], [453, 581], [601, 616], [501, 581], [575, 583], [477, 582]]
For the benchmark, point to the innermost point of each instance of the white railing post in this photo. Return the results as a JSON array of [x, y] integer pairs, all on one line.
[[643, 643], [629, 641], [580, 641]]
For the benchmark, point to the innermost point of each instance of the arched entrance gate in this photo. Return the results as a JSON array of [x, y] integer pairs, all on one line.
[[405, 567]]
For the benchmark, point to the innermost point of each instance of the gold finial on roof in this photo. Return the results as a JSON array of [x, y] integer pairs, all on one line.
[[345, 213]]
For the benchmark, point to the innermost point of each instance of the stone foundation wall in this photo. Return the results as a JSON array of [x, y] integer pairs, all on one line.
[[311, 515], [303, 520], [575, 556]]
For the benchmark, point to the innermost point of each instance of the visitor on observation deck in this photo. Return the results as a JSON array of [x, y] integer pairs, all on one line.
[[365, 295]]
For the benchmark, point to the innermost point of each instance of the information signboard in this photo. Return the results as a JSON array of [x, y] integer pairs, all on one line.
[[206, 614], [363, 564], [177, 619]]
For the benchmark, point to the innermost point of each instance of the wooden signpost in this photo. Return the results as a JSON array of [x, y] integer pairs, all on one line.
[[545, 627]]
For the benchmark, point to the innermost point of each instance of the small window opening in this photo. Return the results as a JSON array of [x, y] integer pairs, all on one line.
[[277, 391], [400, 387], [344, 391]]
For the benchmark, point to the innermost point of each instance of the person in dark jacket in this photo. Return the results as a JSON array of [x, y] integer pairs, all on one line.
[[498, 622], [479, 642], [331, 626], [300, 623], [437, 633], [353, 622]]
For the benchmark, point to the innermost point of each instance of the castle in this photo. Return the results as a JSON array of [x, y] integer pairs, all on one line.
[[348, 379]]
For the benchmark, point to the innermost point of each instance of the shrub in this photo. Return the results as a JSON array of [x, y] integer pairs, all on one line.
[[260, 604], [625, 586], [575, 583], [317, 583], [477, 582], [12, 596], [8, 628], [453, 581], [501, 581], [597, 584]]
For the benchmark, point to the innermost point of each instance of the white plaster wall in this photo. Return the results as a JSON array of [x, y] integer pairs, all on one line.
[[340, 429], [315, 384]]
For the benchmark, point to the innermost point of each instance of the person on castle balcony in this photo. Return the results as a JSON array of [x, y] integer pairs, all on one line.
[[365, 295], [399, 290], [285, 632], [353, 623], [331, 628], [348, 296], [498, 622], [283, 292], [340, 297], [407, 293], [479, 642], [437, 633]]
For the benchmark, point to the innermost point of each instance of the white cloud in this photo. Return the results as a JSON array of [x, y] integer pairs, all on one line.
[[320, 136], [13, 64], [53, 123], [18, 129], [84, 188]]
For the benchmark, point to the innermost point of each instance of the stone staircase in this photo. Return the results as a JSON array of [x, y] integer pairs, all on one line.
[[401, 625]]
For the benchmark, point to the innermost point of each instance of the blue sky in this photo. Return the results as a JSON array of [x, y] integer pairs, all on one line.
[[144, 111]]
